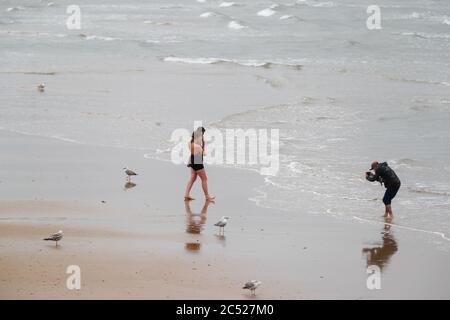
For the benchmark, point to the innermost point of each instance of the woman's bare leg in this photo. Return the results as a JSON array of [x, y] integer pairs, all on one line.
[[202, 174], [189, 185]]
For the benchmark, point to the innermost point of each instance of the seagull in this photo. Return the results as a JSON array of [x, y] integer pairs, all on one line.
[[252, 285], [129, 173], [222, 223], [55, 237], [41, 87]]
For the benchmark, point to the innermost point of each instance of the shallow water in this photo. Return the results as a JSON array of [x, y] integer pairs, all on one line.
[[340, 95]]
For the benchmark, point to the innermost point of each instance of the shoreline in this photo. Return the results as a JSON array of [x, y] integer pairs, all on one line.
[[142, 243]]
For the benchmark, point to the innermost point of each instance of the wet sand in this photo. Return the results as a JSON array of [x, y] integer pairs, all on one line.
[[145, 243]]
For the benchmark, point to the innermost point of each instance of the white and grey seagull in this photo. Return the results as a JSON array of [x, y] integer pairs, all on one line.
[[41, 87], [55, 237], [222, 223], [252, 285], [129, 173]]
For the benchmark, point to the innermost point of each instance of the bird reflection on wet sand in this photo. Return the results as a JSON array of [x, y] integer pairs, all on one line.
[[195, 224], [380, 255], [129, 185]]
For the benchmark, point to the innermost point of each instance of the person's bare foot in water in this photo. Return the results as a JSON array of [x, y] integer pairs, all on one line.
[[210, 198], [188, 198]]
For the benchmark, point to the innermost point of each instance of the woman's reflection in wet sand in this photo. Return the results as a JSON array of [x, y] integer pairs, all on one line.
[[195, 223], [381, 255]]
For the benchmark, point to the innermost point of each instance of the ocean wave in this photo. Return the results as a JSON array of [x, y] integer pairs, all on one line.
[[12, 9], [94, 37], [442, 83], [325, 4], [194, 60], [244, 63], [422, 35], [227, 4], [158, 23], [266, 12], [405, 161], [427, 191], [424, 16], [235, 25], [286, 17], [208, 14], [32, 33]]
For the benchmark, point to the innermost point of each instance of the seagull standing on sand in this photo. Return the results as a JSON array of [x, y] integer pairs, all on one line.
[[55, 237], [129, 173], [222, 223], [252, 285], [41, 87]]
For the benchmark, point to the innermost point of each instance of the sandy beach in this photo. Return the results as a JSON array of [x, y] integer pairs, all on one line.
[[327, 86], [143, 243]]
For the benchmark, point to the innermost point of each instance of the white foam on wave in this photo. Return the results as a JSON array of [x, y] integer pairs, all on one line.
[[227, 4], [244, 63], [286, 16], [94, 37], [327, 4], [193, 60], [208, 14], [415, 15], [446, 21], [11, 9], [157, 23], [266, 12], [236, 25]]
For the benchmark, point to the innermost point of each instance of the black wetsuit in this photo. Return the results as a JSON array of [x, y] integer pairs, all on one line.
[[385, 175]]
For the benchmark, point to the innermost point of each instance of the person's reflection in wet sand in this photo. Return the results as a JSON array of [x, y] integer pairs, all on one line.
[[195, 223], [381, 255]]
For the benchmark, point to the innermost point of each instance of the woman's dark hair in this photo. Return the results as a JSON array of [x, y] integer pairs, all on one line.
[[197, 133]]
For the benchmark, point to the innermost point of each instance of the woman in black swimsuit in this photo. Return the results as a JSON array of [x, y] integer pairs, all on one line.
[[197, 147]]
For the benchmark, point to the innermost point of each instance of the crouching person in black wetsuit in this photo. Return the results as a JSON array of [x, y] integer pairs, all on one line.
[[385, 175]]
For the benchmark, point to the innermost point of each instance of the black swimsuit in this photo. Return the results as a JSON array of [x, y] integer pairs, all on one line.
[[196, 162]]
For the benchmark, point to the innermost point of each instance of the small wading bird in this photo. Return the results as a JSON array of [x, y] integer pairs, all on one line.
[[129, 173], [222, 223], [41, 87], [252, 285], [55, 237]]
